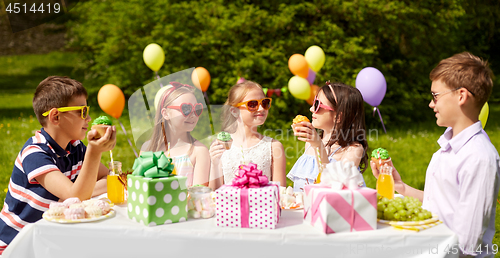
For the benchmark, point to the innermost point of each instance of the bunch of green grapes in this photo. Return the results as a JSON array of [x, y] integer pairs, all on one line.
[[401, 209]]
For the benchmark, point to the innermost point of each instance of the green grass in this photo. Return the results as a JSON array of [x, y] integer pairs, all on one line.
[[411, 146]]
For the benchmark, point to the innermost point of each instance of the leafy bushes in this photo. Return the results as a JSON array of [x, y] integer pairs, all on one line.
[[254, 39]]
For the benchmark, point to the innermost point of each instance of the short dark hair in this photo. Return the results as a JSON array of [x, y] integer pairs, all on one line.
[[468, 71], [55, 92]]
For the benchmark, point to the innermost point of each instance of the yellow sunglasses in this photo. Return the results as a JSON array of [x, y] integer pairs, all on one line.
[[84, 110]]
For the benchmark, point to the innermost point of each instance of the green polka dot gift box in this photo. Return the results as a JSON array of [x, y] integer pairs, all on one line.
[[157, 201], [155, 195]]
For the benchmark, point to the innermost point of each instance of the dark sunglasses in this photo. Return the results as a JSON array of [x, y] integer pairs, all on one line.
[[317, 104], [188, 108], [253, 105]]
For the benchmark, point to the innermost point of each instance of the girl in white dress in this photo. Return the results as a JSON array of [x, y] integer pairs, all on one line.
[[245, 109]]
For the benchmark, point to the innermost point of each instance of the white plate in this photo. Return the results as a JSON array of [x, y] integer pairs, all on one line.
[[409, 223], [110, 214]]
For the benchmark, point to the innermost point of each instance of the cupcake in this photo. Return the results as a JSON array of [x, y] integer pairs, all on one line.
[[70, 201], [57, 204], [77, 205], [103, 205], [101, 124], [56, 212], [380, 156], [226, 140], [74, 213], [93, 211], [300, 118]]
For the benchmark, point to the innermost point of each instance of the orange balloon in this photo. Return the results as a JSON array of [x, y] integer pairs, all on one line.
[[298, 65], [314, 91], [111, 100], [201, 78]]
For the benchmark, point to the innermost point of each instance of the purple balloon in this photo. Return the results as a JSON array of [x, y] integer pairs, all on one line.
[[311, 76], [372, 85]]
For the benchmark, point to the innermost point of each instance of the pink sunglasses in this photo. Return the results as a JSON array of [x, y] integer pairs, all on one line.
[[188, 108]]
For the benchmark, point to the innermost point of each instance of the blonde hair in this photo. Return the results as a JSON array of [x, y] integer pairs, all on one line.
[[236, 94], [468, 71], [157, 141]]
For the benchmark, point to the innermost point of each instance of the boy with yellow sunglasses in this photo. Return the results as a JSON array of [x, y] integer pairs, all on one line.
[[54, 164]]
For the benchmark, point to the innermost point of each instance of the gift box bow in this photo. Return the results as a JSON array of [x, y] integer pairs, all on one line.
[[152, 165], [342, 175], [248, 176]]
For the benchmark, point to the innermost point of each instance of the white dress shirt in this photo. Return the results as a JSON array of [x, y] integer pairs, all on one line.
[[461, 186]]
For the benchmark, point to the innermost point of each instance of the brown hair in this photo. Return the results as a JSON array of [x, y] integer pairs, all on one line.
[[236, 94], [468, 71], [157, 141], [55, 92], [350, 116]]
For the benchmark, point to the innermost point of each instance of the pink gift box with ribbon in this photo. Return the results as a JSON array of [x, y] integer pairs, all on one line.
[[334, 211], [250, 202]]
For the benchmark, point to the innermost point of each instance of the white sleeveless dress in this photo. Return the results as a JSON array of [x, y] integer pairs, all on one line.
[[260, 154]]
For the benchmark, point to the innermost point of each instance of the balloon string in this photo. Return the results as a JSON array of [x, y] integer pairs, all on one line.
[[158, 77], [130, 143], [209, 112], [380, 116]]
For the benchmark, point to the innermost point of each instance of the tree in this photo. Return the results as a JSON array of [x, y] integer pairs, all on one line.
[[254, 39]]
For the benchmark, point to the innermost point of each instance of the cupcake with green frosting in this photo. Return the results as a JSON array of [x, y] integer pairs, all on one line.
[[101, 124], [226, 139], [380, 156]]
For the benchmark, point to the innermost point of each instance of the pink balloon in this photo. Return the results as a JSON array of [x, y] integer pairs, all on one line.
[[311, 76], [240, 80], [372, 85]]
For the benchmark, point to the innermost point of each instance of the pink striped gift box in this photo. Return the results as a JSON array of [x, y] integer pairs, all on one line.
[[334, 211]]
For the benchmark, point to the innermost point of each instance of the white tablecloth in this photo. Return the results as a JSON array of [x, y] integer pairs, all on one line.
[[121, 237]]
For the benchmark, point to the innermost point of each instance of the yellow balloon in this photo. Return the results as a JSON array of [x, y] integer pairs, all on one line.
[[315, 57], [299, 87], [153, 56], [483, 115]]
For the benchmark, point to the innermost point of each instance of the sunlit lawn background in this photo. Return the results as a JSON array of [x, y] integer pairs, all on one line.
[[410, 145]]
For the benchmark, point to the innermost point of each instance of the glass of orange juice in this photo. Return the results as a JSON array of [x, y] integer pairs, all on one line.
[[385, 182], [116, 188]]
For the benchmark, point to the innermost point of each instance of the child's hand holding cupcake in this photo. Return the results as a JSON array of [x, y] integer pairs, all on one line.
[[305, 131], [221, 144]]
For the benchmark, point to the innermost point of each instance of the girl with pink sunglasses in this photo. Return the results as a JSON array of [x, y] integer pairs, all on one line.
[[178, 111], [338, 111]]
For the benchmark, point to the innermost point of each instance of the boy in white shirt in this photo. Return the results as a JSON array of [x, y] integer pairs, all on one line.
[[462, 180]]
